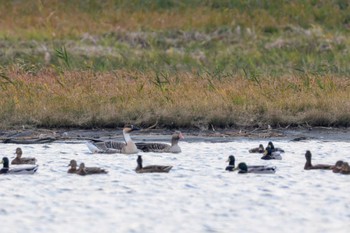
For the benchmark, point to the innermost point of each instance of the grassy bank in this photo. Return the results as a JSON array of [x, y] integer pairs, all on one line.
[[178, 63], [89, 99]]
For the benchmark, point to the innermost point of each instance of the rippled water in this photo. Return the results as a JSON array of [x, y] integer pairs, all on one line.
[[196, 196]]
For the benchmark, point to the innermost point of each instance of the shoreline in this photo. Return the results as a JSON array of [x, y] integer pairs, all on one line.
[[191, 135]]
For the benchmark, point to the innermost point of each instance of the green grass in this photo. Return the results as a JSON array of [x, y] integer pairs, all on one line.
[[188, 63]]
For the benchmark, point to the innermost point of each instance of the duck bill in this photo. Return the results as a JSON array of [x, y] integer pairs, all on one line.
[[235, 169]]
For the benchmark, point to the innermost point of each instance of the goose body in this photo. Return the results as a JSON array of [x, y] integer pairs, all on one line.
[[308, 165], [18, 169], [22, 160], [162, 147], [82, 170], [150, 168], [111, 147]]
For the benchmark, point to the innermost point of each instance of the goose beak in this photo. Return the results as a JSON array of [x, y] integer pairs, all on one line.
[[181, 136], [134, 128]]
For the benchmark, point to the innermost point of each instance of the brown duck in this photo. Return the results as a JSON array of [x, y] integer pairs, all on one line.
[[22, 160], [150, 168], [82, 170], [259, 149], [309, 166]]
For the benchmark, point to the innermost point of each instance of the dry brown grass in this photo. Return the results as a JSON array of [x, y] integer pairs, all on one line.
[[88, 99]]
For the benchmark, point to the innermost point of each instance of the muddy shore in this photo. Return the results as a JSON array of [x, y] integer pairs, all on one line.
[[191, 135]]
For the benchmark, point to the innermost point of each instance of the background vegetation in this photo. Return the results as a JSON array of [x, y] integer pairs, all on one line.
[[191, 63]]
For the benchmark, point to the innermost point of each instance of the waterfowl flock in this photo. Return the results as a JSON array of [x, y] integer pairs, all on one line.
[[27, 165]]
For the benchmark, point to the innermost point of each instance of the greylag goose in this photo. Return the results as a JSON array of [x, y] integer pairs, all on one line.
[[309, 166], [150, 168], [162, 147], [88, 170], [22, 160], [20, 169], [243, 168], [111, 147], [259, 149]]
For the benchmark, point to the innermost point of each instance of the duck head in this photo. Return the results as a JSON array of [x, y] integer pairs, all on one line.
[[139, 162], [19, 152], [243, 168], [73, 163], [231, 160], [308, 156], [345, 168], [261, 147], [270, 144], [5, 162], [337, 167]]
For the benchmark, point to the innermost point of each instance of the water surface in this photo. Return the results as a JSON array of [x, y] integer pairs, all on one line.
[[196, 196]]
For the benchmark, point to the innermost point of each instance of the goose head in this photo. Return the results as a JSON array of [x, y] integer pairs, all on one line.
[[130, 128], [177, 135], [19, 152]]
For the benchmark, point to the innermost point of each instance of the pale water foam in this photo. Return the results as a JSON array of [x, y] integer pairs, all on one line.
[[198, 195]]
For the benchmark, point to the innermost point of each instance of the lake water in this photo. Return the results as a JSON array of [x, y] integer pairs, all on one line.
[[198, 195]]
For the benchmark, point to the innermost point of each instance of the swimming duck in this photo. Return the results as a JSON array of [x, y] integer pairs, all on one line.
[[231, 163], [110, 147], [268, 154], [259, 149], [309, 166], [273, 148], [162, 147], [89, 170], [338, 166], [345, 169], [28, 169], [150, 168], [22, 160], [243, 168]]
